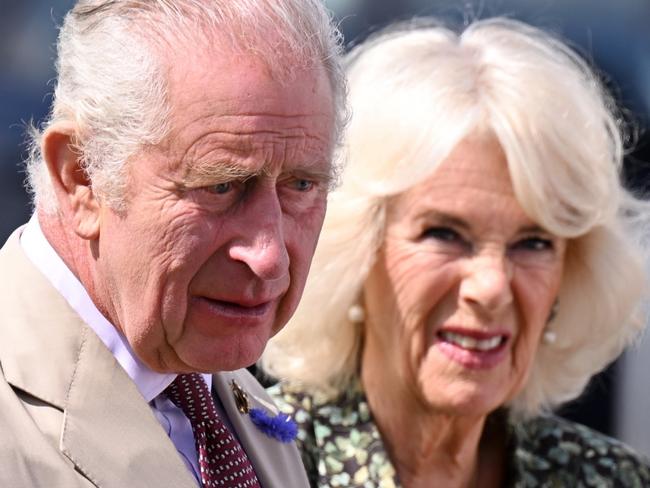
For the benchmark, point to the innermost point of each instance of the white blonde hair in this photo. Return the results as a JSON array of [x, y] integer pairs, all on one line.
[[113, 75], [415, 92]]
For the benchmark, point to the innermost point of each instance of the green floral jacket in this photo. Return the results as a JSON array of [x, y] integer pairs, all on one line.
[[341, 446]]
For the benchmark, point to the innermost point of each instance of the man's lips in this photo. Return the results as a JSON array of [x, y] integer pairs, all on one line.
[[239, 308], [212, 317]]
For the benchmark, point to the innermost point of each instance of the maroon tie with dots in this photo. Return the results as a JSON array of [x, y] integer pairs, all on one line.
[[222, 461]]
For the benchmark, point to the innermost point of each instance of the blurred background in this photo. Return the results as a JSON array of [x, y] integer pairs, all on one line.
[[614, 36]]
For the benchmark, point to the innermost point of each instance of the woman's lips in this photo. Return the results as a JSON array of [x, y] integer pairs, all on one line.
[[467, 342], [473, 349]]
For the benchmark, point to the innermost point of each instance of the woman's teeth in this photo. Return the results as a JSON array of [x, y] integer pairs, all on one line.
[[470, 343]]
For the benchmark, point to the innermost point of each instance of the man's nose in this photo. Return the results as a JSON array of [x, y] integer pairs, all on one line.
[[486, 282], [260, 244]]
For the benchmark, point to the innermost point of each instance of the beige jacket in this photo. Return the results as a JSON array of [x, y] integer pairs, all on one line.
[[71, 417]]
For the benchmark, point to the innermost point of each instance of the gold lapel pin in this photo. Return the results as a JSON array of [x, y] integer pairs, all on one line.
[[241, 397]]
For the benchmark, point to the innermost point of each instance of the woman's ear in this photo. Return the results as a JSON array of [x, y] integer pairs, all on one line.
[[74, 193]]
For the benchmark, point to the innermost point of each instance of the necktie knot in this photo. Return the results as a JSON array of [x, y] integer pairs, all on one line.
[[222, 461]]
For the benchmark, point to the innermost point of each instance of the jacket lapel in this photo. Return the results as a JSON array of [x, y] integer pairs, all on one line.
[[276, 464], [109, 431]]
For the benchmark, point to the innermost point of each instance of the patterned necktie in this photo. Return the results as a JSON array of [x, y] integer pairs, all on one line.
[[222, 461]]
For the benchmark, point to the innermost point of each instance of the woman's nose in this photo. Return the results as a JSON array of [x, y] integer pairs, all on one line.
[[486, 282]]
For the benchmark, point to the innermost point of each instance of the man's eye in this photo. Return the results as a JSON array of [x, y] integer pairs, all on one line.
[[220, 188], [534, 244], [303, 185]]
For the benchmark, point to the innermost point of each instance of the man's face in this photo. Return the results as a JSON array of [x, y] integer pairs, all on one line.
[[211, 256]]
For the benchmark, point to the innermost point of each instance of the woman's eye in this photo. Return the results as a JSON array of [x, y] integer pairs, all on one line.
[[442, 234], [534, 244]]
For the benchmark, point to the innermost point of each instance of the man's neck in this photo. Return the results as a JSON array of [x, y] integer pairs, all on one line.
[[72, 249], [50, 260]]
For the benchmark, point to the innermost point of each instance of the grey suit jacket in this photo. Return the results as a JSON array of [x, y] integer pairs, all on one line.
[[71, 417]]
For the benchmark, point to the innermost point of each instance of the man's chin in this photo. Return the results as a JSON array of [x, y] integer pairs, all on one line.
[[228, 357]]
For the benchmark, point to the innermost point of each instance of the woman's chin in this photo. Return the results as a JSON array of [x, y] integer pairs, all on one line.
[[462, 396], [450, 386]]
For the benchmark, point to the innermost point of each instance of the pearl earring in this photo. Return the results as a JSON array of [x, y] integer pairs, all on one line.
[[356, 314], [549, 337]]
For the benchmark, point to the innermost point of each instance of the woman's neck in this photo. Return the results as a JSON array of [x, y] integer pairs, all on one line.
[[430, 448]]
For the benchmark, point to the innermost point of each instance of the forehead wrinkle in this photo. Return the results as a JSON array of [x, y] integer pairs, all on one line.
[[297, 132], [241, 126], [264, 115], [244, 122], [243, 142]]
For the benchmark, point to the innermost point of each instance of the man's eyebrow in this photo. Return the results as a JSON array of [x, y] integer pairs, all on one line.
[[318, 174], [200, 173]]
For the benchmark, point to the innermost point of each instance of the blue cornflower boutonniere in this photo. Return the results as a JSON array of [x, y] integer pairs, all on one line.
[[278, 426]]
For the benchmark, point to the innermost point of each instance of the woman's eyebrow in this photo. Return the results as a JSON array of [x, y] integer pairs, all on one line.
[[533, 229], [445, 219]]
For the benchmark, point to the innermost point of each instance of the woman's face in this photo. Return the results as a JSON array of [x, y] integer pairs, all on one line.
[[462, 288]]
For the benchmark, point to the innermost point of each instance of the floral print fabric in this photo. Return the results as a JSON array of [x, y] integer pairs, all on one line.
[[342, 447]]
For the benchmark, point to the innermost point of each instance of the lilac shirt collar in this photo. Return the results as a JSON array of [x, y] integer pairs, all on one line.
[[42, 254]]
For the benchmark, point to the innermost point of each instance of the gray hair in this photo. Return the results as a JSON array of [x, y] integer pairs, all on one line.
[[112, 76], [415, 93]]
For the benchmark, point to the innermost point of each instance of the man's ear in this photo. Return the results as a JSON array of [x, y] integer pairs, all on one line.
[[77, 202]]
